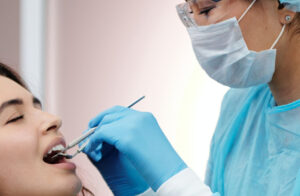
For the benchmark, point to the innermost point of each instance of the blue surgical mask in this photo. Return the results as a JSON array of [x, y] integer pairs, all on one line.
[[223, 53]]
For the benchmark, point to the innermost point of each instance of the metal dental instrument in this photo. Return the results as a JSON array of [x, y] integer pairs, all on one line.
[[82, 137]]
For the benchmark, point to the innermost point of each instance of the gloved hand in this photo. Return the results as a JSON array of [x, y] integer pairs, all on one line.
[[138, 137], [118, 172]]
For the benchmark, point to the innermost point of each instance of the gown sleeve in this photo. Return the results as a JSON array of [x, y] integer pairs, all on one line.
[[148, 192], [185, 183]]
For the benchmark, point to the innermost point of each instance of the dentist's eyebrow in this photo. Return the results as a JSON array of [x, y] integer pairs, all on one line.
[[9, 103]]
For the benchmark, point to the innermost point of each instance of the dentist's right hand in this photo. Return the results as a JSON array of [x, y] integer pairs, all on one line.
[[138, 137], [120, 175]]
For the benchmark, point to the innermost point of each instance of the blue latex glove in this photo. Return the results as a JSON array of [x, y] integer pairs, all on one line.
[[118, 172], [138, 137]]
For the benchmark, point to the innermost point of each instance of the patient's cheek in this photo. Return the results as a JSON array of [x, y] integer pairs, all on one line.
[[16, 146], [18, 153]]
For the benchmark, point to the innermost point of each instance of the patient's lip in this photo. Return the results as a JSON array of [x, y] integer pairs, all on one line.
[[65, 164]]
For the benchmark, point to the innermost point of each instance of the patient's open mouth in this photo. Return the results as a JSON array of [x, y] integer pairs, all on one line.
[[48, 158], [61, 162]]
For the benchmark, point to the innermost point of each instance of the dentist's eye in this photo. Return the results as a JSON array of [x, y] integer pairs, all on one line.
[[206, 10], [15, 119]]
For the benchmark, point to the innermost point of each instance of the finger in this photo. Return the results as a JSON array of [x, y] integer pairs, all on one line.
[[95, 121], [110, 118], [99, 152], [93, 150], [109, 133], [104, 133]]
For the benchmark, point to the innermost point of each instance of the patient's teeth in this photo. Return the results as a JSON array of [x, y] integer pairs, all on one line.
[[58, 147]]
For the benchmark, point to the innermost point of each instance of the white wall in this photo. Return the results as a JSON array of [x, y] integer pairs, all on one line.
[[32, 48], [104, 53]]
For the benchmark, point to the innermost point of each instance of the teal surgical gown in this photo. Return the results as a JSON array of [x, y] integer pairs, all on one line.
[[255, 150]]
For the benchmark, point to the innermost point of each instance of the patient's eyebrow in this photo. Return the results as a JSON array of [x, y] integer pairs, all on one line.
[[18, 101], [11, 102]]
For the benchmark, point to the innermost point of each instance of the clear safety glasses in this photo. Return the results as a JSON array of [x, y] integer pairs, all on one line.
[[202, 12]]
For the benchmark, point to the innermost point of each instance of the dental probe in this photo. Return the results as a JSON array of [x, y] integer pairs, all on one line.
[[84, 136]]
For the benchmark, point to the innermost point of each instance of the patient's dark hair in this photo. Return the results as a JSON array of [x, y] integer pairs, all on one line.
[[11, 74]]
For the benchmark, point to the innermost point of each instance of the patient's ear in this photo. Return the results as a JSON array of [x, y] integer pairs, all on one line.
[[286, 16]]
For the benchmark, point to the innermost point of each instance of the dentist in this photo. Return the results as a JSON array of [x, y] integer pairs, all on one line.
[[252, 47]]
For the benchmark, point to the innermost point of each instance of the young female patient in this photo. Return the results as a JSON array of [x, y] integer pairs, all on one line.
[[27, 133]]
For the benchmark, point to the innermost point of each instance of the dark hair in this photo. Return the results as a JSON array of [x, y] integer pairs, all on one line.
[[13, 75]]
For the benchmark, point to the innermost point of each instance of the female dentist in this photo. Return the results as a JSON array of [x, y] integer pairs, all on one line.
[[255, 149]]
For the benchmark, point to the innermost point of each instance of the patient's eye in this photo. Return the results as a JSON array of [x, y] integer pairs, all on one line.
[[15, 119]]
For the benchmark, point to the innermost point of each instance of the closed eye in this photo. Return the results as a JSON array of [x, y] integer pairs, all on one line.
[[15, 119]]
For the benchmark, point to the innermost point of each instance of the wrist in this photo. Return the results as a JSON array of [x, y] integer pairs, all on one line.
[[172, 171], [158, 165]]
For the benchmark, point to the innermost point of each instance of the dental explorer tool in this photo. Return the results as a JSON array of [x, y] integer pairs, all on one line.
[[84, 136]]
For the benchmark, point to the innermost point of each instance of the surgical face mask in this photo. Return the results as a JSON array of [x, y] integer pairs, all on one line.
[[222, 52]]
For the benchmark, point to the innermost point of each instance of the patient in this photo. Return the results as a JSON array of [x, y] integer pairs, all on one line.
[[27, 134]]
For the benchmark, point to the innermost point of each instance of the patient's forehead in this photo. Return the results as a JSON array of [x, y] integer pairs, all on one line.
[[9, 89]]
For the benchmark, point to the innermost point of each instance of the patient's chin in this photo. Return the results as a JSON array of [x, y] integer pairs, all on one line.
[[74, 185], [69, 186]]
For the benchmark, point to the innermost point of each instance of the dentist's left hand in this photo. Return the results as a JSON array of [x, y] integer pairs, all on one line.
[[138, 137]]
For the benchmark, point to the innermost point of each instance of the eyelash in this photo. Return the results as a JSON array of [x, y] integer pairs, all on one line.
[[206, 10], [15, 119]]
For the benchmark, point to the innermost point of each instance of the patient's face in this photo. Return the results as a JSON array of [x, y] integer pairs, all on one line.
[[26, 132]]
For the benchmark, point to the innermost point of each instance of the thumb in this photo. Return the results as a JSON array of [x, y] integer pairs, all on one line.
[[95, 121]]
